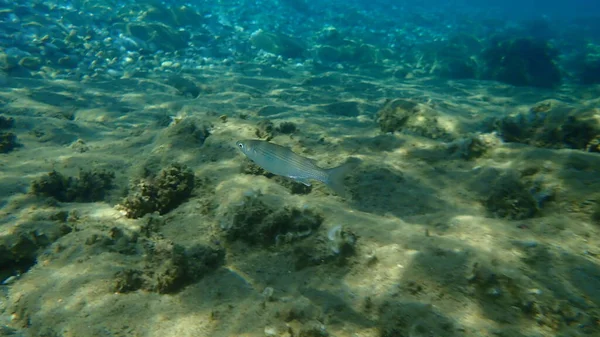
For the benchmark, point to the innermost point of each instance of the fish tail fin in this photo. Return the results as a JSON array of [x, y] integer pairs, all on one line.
[[336, 175]]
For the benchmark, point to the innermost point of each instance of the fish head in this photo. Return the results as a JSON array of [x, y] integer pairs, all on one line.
[[244, 146]]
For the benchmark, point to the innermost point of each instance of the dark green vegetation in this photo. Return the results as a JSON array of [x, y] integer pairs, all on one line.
[[20, 248], [89, 186], [590, 65], [510, 199], [553, 124], [411, 117], [254, 222], [160, 193], [166, 267], [8, 140], [522, 62]]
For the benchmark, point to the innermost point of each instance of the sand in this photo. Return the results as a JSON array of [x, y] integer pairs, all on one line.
[[429, 258]]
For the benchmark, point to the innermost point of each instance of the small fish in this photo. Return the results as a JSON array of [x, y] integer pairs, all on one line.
[[282, 161]]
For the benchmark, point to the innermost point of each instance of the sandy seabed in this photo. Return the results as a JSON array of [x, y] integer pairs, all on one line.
[[429, 258]]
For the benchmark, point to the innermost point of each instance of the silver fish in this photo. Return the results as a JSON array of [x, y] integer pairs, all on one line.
[[283, 161]]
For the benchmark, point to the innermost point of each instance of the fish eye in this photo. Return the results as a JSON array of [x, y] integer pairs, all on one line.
[[240, 145]]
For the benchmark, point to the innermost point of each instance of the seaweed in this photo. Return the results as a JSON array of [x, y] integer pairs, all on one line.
[[8, 142], [522, 62], [168, 267], [256, 223], [90, 186], [6, 123], [172, 186], [510, 199]]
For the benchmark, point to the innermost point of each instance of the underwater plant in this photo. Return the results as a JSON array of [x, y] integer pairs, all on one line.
[[88, 187], [163, 193], [522, 62]]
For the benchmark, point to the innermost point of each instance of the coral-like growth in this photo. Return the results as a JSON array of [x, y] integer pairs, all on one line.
[[553, 124], [88, 187], [255, 222], [409, 116], [6, 123], [168, 267], [522, 62], [163, 193], [510, 199], [590, 65], [8, 140]]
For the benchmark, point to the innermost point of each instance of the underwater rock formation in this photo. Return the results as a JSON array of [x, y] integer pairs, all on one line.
[[90, 186], [254, 222], [522, 62], [456, 58], [553, 124], [409, 116], [162, 193], [168, 267], [8, 140], [278, 44], [590, 67], [185, 132], [159, 35], [347, 52], [286, 128], [20, 247], [509, 198]]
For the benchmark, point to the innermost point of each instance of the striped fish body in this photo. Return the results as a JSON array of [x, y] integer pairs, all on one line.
[[282, 161]]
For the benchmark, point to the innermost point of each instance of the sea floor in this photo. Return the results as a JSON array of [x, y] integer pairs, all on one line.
[[436, 240]]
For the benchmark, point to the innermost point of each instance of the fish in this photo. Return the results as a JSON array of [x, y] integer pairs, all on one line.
[[282, 161]]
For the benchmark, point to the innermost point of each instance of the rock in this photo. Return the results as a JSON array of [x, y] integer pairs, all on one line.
[[278, 44], [328, 54], [509, 198], [413, 318], [329, 36], [553, 124], [286, 128], [254, 222], [8, 62], [347, 51], [168, 267], [20, 246], [590, 66], [88, 187], [346, 109], [186, 87], [172, 186], [457, 57], [160, 35], [406, 115], [176, 16], [185, 133], [68, 62], [522, 62], [186, 16], [31, 62], [8, 142], [6, 123]]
